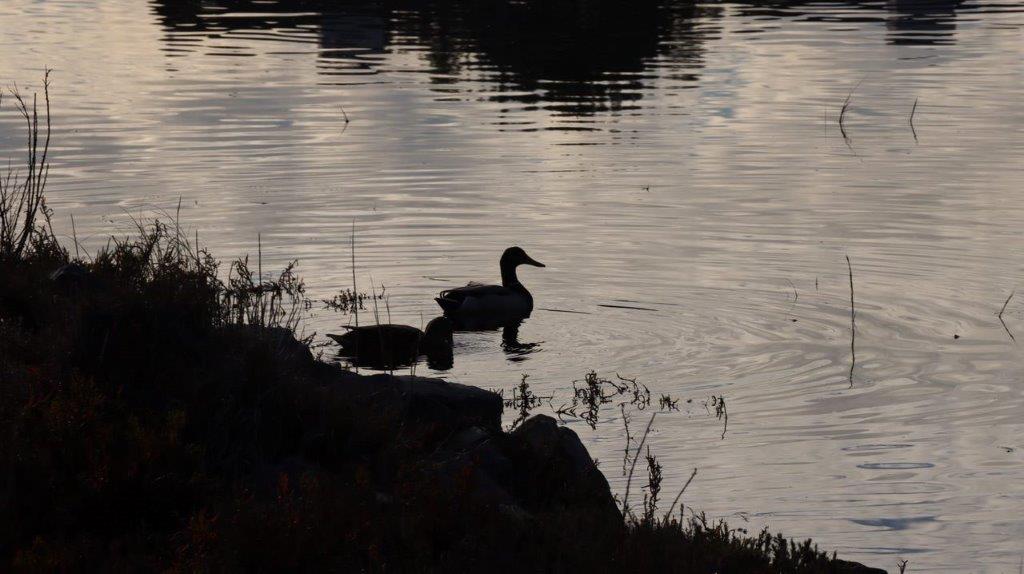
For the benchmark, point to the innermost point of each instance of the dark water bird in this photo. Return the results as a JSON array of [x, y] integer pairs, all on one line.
[[396, 345], [497, 305]]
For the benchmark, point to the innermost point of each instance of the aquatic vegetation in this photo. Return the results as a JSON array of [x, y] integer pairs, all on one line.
[[523, 401], [593, 392], [667, 403], [349, 301], [653, 487], [24, 216], [721, 412]]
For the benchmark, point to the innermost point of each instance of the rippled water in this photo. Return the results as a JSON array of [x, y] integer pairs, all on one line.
[[680, 169]]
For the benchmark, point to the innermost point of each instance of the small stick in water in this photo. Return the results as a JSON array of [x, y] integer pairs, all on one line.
[[846, 106], [912, 110], [1000, 315], [853, 324], [354, 290], [795, 294], [842, 115]]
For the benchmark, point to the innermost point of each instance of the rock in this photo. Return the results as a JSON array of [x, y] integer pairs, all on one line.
[[847, 567], [478, 446], [557, 471], [471, 464], [451, 404]]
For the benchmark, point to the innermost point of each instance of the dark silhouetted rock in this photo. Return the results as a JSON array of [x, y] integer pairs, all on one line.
[[847, 567], [459, 405], [556, 471]]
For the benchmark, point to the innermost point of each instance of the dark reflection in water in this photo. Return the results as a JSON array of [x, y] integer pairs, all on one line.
[[440, 360], [919, 22], [515, 349], [573, 58], [570, 58], [922, 21], [581, 57]]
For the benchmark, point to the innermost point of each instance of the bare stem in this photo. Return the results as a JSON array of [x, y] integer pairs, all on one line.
[[680, 495], [632, 468], [853, 324], [1000, 316], [354, 289]]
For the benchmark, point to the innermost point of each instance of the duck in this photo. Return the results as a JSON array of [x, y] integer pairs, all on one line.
[[478, 304], [392, 345]]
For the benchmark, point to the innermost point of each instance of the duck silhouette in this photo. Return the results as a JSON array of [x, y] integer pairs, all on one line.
[[491, 306], [390, 345]]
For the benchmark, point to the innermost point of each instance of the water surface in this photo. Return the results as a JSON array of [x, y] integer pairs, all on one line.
[[679, 168]]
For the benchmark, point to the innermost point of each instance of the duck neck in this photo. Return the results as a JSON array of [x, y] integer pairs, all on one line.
[[508, 275]]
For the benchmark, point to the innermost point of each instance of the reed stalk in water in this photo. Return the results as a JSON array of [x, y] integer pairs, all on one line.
[[629, 479], [1000, 316], [911, 120], [853, 324], [353, 250]]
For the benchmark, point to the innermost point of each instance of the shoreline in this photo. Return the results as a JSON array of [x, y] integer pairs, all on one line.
[[162, 418]]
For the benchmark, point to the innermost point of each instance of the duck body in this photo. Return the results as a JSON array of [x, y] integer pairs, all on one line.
[[365, 338], [491, 306], [395, 345], [479, 299]]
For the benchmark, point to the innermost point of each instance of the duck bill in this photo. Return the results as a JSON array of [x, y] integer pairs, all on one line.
[[531, 261]]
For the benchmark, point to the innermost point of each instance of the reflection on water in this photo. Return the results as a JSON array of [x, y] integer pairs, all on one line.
[[569, 57], [922, 21], [680, 169], [515, 349]]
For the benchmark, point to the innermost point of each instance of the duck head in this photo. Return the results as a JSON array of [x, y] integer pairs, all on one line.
[[514, 257], [438, 335]]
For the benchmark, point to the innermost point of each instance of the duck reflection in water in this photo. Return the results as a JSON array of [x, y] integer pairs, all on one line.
[[513, 347], [393, 346]]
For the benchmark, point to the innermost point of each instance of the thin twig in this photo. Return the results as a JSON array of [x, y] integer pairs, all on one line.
[[74, 235], [632, 468], [912, 110], [680, 495], [354, 290], [842, 115], [629, 437], [846, 104], [725, 415], [1001, 311], [853, 324], [1005, 303]]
